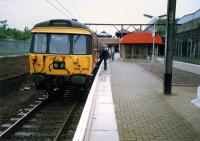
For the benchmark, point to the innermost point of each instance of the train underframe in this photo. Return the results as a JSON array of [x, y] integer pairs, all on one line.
[[56, 85]]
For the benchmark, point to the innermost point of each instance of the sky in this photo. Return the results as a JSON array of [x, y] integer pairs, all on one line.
[[21, 13]]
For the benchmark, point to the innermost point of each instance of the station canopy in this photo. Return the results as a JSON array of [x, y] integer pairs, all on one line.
[[141, 38], [189, 17]]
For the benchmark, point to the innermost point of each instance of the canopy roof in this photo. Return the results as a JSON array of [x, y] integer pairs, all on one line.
[[189, 17], [140, 38]]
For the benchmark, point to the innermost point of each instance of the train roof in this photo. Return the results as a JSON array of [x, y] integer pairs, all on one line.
[[61, 23]]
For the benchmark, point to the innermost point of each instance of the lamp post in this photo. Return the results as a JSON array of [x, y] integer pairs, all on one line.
[[153, 35], [154, 19]]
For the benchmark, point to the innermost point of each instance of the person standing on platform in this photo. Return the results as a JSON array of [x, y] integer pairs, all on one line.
[[104, 56]]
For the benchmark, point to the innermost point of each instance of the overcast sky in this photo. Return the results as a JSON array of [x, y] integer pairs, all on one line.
[[21, 13]]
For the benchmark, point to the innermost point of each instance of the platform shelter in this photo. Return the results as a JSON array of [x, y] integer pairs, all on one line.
[[139, 45]]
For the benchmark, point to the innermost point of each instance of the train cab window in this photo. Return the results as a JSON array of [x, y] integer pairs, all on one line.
[[40, 43], [79, 44], [59, 43]]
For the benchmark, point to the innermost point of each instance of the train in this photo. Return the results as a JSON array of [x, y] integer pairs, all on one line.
[[62, 52]]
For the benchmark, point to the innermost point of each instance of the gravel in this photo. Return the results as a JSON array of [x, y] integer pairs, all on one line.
[[179, 77], [15, 96]]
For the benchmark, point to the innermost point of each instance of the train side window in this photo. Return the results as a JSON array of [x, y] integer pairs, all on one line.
[[89, 44], [59, 43], [79, 44], [40, 43]]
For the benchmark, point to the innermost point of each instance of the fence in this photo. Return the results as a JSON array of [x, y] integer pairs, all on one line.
[[13, 47]]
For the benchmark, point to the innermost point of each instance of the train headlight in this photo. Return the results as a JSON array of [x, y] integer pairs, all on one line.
[[59, 65], [55, 65], [62, 65]]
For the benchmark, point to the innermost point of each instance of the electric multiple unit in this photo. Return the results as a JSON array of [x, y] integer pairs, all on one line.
[[62, 51]]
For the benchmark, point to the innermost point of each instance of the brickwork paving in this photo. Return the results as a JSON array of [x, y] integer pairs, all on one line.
[[143, 113]]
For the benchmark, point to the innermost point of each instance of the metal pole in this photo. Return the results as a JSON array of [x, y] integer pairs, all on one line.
[[121, 31], [154, 34], [154, 38], [167, 83]]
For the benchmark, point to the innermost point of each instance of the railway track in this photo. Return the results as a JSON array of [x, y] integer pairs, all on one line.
[[44, 119], [14, 122]]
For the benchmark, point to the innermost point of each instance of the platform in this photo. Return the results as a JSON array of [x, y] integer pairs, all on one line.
[[98, 120], [142, 112], [193, 68]]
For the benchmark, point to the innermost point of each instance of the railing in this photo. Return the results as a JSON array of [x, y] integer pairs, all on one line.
[[13, 47]]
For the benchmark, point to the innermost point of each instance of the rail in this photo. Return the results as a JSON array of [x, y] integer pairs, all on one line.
[[24, 116]]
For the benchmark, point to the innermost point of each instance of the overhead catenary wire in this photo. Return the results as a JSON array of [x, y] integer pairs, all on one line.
[[57, 9], [64, 8], [76, 9]]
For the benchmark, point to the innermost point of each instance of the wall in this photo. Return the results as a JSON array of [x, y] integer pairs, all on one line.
[[13, 67], [194, 24], [132, 51], [13, 47]]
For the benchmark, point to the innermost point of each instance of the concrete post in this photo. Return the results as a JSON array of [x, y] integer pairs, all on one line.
[[171, 10], [190, 49], [198, 46], [178, 45], [181, 45], [193, 49], [174, 49], [187, 49], [197, 50]]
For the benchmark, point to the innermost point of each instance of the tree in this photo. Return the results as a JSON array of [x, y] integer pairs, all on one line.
[[26, 33], [8, 33], [161, 31], [3, 25]]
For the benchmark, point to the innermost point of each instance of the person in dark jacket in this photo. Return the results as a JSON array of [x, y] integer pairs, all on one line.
[[104, 56]]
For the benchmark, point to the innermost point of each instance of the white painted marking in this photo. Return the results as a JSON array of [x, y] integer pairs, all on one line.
[[184, 66], [102, 120], [197, 100], [82, 125]]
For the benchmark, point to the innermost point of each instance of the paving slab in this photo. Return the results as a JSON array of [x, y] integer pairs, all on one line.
[[101, 125], [144, 113]]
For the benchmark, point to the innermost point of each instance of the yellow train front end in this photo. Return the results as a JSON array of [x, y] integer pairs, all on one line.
[[60, 55]]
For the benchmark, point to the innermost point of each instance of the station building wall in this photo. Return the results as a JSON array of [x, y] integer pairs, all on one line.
[[137, 51]]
